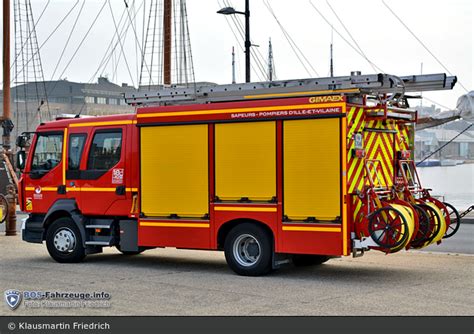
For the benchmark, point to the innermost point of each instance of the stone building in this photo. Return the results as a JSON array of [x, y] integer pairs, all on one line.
[[64, 97]]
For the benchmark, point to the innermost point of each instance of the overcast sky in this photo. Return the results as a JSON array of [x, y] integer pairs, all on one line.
[[445, 27]]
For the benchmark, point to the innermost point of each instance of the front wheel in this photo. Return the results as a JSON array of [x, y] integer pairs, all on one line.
[[248, 250], [64, 241]]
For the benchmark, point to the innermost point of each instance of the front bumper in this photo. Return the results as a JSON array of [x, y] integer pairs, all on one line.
[[32, 229]]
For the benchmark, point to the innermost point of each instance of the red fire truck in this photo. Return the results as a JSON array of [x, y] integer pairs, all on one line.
[[274, 172]]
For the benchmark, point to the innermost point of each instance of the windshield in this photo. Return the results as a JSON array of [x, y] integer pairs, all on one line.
[[48, 151]]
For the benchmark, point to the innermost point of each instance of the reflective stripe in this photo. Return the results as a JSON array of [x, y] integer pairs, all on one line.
[[42, 189], [174, 225], [235, 208], [76, 125], [240, 110], [311, 229], [80, 189]]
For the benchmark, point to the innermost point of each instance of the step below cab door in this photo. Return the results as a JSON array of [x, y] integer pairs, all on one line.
[[104, 178]]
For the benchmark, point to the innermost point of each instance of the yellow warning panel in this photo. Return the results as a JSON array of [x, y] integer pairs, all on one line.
[[312, 169], [245, 160], [174, 170]]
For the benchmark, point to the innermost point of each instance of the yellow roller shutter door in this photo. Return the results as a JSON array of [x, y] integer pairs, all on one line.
[[246, 160], [174, 170], [312, 169]]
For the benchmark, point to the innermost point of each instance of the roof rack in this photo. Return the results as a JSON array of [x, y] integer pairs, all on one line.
[[355, 84]]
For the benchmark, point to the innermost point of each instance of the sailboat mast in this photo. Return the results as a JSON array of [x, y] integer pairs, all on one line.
[[6, 68], [167, 12]]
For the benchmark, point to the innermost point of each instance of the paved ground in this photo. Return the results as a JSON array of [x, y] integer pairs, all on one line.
[[461, 242], [178, 282]]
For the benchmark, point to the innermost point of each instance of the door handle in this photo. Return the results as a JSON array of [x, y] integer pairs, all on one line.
[[120, 190], [62, 189]]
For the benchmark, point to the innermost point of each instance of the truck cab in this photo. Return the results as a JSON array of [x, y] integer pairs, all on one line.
[[79, 177]]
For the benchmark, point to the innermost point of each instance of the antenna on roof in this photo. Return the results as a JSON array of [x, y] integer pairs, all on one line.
[[331, 66], [233, 65], [270, 60]]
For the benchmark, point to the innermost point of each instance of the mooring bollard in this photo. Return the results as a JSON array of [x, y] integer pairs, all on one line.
[[10, 228]]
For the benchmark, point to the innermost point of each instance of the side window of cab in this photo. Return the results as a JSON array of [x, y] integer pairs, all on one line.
[[47, 153], [105, 150]]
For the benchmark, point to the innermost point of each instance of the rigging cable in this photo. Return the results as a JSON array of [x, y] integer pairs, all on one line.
[[350, 35], [292, 43], [68, 39], [80, 44], [254, 52], [137, 41], [120, 41], [238, 43], [449, 142], [47, 39], [340, 35], [34, 27], [109, 51], [439, 104], [255, 59], [422, 44]]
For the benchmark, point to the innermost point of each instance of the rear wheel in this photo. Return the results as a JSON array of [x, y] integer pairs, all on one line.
[[64, 241], [301, 260], [248, 250]]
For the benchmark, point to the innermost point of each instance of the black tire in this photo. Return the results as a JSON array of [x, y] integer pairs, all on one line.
[[385, 227], [435, 222], [64, 241], [301, 260], [424, 232], [455, 221], [248, 250], [129, 253]]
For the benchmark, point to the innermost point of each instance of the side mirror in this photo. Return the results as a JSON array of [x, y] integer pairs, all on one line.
[[20, 160], [22, 140]]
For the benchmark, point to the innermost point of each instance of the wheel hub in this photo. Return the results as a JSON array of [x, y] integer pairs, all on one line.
[[64, 240], [247, 250]]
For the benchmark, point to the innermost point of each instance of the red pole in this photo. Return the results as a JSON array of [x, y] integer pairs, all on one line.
[[6, 61], [167, 42]]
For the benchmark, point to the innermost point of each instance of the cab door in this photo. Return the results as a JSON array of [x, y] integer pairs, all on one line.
[[44, 174], [76, 144], [104, 178]]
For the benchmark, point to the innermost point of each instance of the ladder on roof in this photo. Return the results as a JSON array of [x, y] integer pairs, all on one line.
[[355, 84]]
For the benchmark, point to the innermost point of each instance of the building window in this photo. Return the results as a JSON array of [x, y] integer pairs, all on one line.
[[101, 100], [90, 99], [122, 102], [112, 101]]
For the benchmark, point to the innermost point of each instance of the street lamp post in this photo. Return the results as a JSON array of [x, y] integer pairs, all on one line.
[[248, 44]]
